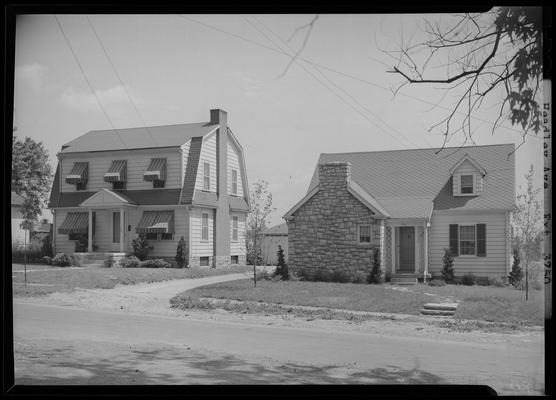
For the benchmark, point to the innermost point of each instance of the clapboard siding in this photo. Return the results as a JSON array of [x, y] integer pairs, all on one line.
[[185, 156], [208, 154], [233, 163], [495, 262], [467, 168], [198, 246], [137, 163], [237, 247]]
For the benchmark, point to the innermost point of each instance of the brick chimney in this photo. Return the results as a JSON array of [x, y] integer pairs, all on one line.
[[334, 175], [222, 219]]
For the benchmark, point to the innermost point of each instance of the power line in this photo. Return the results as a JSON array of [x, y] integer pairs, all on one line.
[[322, 83], [342, 89], [336, 71], [120, 79]]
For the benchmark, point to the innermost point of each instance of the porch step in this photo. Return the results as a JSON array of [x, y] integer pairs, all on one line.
[[93, 265], [439, 309]]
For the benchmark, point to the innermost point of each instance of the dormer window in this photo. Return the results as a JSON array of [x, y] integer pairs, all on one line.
[[79, 175], [467, 184], [206, 176]]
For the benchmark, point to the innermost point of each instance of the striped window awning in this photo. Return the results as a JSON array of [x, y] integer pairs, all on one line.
[[156, 170], [117, 172], [79, 173], [156, 222], [75, 222]]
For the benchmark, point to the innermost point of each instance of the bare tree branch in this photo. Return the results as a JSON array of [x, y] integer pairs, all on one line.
[[308, 25]]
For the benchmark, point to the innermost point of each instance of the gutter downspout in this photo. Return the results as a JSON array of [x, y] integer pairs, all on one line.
[[427, 226]]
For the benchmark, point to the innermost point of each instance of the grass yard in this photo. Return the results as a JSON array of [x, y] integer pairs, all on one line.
[[49, 280], [486, 303]]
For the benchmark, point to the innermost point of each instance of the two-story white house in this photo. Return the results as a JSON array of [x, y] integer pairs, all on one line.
[[165, 182]]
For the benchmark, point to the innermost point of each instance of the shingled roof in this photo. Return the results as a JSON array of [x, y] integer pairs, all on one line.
[[408, 182], [138, 138]]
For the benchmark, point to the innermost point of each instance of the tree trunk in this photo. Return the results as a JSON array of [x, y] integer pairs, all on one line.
[[25, 257], [526, 279]]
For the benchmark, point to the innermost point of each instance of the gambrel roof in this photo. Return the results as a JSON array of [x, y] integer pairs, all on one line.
[[407, 183]]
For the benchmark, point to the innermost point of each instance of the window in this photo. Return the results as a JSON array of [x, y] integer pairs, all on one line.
[[118, 185], [234, 182], [205, 226], [75, 236], [235, 224], [467, 184], [235, 259], [364, 233], [467, 240], [81, 186], [204, 261], [166, 236], [206, 176], [158, 184], [152, 236]]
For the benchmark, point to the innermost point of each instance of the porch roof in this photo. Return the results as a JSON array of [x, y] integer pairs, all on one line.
[[161, 221], [75, 222]]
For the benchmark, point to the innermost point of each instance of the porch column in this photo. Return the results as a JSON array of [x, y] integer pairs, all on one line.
[[122, 225], [90, 243], [382, 245], [426, 246]]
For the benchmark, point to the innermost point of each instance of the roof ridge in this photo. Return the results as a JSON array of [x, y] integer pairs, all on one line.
[[152, 126], [423, 148]]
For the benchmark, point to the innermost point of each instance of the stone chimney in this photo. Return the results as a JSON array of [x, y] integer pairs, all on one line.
[[222, 220], [334, 175]]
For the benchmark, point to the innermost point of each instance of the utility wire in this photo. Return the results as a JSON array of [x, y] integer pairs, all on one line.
[[343, 90], [323, 83], [336, 71], [121, 83]]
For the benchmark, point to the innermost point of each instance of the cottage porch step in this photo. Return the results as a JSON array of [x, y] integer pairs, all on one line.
[[93, 265], [441, 313]]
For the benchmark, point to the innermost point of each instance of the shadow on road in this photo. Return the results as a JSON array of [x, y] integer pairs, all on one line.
[[103, 364]]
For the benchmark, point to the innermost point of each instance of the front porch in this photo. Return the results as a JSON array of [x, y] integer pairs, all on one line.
[[95, 259]]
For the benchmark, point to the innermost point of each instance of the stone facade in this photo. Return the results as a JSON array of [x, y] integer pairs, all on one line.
[[323, 232]]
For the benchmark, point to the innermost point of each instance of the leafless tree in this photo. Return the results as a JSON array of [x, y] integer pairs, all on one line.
[[309, 27], [474, 56]]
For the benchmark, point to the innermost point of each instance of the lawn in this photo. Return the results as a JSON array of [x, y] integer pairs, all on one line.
[[487, 303], [48, 280]]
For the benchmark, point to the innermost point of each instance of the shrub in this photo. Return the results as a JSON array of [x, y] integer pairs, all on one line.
[[254, 256], [376, 273], [156, 263], [516, 274], [182, 253], [322, 275], [437, 282], [469, 279], [294, 277], [282, 267], [448, 266], [141, 247], [497, 281], [109, 262], [82, 243], [46, 247], [130, 262], [340, 276], [47, 260], [307, 274], [62, 260], [359, 277]]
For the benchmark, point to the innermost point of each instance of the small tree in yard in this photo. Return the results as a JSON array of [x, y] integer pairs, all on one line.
[[448, 266], [526, 219], [141, 247], [516, 274], [257, 220], [182, 255], [376, 272], [282, 267]]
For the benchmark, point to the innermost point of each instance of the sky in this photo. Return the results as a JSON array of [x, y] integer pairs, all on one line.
[[176, 68]]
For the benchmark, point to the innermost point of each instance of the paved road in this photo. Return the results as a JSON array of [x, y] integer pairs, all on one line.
[[238, 349]]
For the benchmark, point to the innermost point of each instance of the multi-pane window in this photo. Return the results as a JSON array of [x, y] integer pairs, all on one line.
[[81, 186], [234, 182], [467, 184], [151, 236], [364, 233], [206, 176], [467, 240], [235, 260], [158, 184], [204, 261], [235, 225], [205, 226], [118, 185]]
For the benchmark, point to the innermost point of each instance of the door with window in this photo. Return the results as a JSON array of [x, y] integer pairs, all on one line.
[[407, 248], [116, 231]]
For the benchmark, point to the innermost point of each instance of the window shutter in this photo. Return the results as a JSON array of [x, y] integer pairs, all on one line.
[[454, 248], [481, 240]]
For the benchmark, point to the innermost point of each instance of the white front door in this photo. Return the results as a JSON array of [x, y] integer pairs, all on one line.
[[115, 231]]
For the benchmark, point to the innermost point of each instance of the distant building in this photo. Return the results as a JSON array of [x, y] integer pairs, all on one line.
[[18, 234], [271, 238]]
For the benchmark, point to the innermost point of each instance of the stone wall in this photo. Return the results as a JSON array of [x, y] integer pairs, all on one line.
[[323, 233]]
